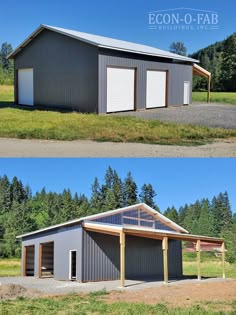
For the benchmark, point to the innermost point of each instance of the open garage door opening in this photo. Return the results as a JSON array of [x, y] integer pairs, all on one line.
[[29, 252], [46, 260], [156, 92], [120, 89]]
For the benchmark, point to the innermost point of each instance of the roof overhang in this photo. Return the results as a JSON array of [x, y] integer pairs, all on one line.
[[147, 233], [161, 53], [197, 70]]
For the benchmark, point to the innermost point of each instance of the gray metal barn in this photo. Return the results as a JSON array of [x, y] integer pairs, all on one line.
[[134, 242], [60, 68]]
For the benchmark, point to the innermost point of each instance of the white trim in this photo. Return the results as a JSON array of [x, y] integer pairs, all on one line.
[[70, 277]]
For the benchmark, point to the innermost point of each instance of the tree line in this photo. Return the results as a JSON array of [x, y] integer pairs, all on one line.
[[219, 59], [6, 66], [21, 211]]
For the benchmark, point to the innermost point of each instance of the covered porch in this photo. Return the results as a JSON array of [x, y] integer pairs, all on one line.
[[199, 71], [199, 244]]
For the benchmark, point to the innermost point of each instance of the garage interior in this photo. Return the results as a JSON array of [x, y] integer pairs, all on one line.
[[29, 252], [46, 260]]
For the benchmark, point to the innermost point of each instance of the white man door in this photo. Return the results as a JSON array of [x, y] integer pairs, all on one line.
[[186, 92], [25, 87]]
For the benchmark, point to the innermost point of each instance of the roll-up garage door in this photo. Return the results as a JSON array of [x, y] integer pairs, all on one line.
[[156, 89], [25, 87], [120, 89]]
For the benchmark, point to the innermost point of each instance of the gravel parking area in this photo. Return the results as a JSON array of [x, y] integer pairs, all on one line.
[[211, 115]]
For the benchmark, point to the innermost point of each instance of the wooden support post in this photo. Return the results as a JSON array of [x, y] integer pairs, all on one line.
[[40, 260], [24, 260], [122, 258], [165, 257], [223, 258], [209, 90], [198, 249]]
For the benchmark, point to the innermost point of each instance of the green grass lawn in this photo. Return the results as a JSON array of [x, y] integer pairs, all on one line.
[[10, 267], [93, 304], [37, 124], [86, 305], [216, 97]]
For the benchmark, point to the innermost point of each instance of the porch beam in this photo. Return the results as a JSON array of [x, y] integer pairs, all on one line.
[[122, 258], [165, 258]]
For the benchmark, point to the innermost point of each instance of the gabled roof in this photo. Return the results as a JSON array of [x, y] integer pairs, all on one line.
[[142, 206], [104, 42]]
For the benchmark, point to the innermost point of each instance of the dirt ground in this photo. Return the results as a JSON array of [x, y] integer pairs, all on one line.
[[51, 148], [173, 295], [12, 291], [178, 295]]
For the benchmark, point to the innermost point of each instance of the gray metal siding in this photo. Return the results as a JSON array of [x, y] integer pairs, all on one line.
[[177, 74], [101, 257], [65, 239], [65, 71]]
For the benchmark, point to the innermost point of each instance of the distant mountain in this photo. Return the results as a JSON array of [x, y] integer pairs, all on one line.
[[220, 60]]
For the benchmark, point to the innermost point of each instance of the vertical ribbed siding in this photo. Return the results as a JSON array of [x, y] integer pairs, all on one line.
[[65, 71], [144, 258], [101, 258], [177, 74], [175, 259]]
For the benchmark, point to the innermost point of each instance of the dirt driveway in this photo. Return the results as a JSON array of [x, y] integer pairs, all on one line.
[[210, 115]]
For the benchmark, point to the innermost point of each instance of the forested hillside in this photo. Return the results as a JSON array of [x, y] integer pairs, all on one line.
[[220, 60], [6, 66], [21, 212]]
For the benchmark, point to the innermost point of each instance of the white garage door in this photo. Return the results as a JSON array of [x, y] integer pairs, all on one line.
[[156, 89], [120, 89], [25, 87]]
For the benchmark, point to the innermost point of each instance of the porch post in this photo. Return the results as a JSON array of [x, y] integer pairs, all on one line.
[[122, 258], [165, 257], [24, 261], [209, 89], [223, 258], [40, 261], [198, 249]]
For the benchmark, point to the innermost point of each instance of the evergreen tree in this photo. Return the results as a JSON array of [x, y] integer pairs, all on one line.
[[96, 198], [228, 65], [221, 212], [172, 214], [147, 195], [178, 48], [130, 191]]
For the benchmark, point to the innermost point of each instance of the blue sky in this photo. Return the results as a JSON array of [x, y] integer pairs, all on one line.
[[176, 181], [121, 19]]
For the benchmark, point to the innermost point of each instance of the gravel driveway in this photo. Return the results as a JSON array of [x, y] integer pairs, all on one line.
[[210, 115]]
